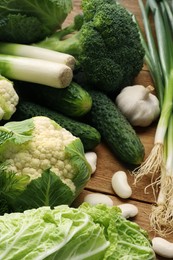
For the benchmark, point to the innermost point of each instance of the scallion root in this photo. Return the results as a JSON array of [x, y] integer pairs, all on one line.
[[152, 164], [161, 218]]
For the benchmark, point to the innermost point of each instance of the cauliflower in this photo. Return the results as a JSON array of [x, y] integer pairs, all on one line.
[[43, 159], [9, 99]]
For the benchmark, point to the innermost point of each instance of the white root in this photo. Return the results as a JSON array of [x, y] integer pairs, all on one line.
[[161, 218], [152, 165]]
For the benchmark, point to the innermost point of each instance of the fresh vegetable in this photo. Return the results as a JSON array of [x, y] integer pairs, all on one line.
[[89, 136], [105, 42], [98, 198], [92, 233], [42, 164], [28, 21], [115, 130], [36, 53], [45, 72], [163, 247], [159, 163], [8, 98], [73, 101], [91, 158], [138, 105], [120, 185], [128, 210]]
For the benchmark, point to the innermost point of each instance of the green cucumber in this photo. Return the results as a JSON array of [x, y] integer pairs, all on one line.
[[73, 101], [89, 136], [115, 130]]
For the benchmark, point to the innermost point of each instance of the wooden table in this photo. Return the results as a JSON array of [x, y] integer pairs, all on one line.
[[107, 163]]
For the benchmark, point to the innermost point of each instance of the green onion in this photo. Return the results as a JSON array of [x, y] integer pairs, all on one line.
[[159, 58]]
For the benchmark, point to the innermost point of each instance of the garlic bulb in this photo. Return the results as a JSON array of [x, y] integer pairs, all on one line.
[[138, 105]]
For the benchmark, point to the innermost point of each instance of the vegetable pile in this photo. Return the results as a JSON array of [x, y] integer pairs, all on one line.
[[59, 86]]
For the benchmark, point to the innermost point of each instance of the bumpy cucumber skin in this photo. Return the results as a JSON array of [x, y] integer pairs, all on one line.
[[73, 101], [115, 129], [89, 136]]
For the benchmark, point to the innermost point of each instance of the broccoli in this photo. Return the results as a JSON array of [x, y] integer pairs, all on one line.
[[106, 44], [28, 21]]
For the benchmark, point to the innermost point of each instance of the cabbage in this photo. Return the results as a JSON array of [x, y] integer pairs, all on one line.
[[88, 232], [27, 21]]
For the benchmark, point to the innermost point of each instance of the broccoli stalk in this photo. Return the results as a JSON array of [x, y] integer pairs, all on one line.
[[66, 40], [106, 43]]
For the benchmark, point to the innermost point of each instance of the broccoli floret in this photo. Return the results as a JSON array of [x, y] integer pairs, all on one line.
[[107, 46], [31, 20]]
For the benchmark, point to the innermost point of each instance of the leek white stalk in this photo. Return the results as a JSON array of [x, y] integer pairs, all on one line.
[[39, 71], [37, 52]]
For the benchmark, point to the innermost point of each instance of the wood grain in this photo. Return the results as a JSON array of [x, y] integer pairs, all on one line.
[[107, 162]]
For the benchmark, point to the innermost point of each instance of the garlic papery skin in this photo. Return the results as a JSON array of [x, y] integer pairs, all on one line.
[[138, 105]]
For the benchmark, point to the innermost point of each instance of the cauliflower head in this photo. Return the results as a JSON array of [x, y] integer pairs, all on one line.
[[9, 98], [44, 157]]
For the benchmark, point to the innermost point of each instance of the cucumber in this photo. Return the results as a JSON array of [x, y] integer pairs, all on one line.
[[73, 101], [115, 130], [89, 136]]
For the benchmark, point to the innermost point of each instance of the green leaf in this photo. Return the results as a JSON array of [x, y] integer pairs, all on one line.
[[61, 233], [75, 151], [128, 239], [18, 132], [29, 21], [47, 190], [11, 186]]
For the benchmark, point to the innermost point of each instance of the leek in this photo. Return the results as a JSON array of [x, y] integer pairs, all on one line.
[[159, 58], [35, 70], [37, 53]]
